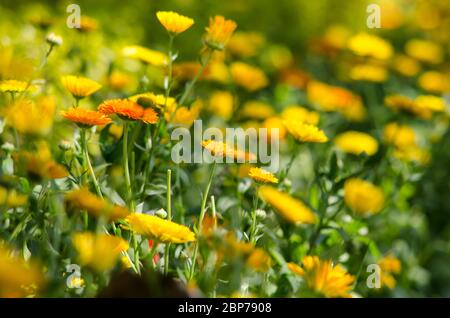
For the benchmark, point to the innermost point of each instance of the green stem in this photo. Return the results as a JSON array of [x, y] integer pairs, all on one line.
[[253, 227], [200, 220], [214, 213], [84, 142], [130, 200], [169, 217], [291, 161]]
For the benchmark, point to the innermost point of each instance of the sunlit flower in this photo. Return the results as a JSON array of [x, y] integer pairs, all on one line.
[[305, 132], [145, 55], [183, 116], [363, 197], [275, 123], [356, 143], [119, 80], [13, 86], [249, 77], [154, 100], [159, 229], [54, 39], [128, 110], [245, 44], [423, 106], [399, 135], [173, 22], [79, 86], [261, 175], [434, 82], [256, 110], [259, 260], [413, 154], [98, 251], [424, 51], [82, 199], [293, 210], [300, 114], [12, 199], [368, 72], [389, 265], [406, 66], [364, 44], [16, 274], [430, 102], [221, 149], [219, 32], [221, 103], [86, 118], [324, 278]]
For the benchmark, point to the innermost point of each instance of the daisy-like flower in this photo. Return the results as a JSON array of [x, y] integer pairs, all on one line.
[[82, 199], [305, 132], [368, 45], [424, 51], [219, 32], [356, 143], [16, 273], [145, 55], [221, 149], [79, 86], [323, 277], [86, 118], [256, 110], [363, 197], [261, 175], [293, 210], [159, 229], [173, 22], [13, 86], [389, 265], [249, 77], [399, 135], [98, 251], [301, 114], [128, 110], [153, 100]]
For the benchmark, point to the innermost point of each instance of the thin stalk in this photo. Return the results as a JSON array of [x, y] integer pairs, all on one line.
[[169, 217], [200, 220], [291, 161], [214, 213], [254, 223], [130, 200], [84, 142]]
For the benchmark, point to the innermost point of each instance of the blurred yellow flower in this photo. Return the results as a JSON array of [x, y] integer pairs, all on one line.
[[159, 229], [293, 210], [219, 32], [173, 22], [323, 277], [119, 80], [14, 86], [405, 65], [86, 118], [434, 82], [221, 149], [305, 132], [79, 86], [87, 24], [300, 114], [153, 100], [399, 135], [98, 251], [363, 197], [12, 199], [16, 274], [259, 260], [275, 123], [389, 265], [245, 44], [413, 153], [356, 143], [368, 45], [145, 55], [82, 199], [423, 106], [261, 175], [256, 110], [424, 51], [368, 72], [221, 103], [249, 77], [183, 116], [430, 102]]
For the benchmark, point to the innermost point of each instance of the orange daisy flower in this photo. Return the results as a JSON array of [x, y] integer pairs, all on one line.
[[127, 109], [86, 118]]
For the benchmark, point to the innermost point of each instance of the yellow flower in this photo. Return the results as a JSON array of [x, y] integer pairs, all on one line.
[[262, 175], [31, 118], [119, 80], [82, 199], [356, 143], [406, 66], [221, 149], [87, 24], [79, 86], [300, 114], [364, 44], [363, 197], [13, 86], [412, 153], [249, 77], [275, 123], [174, 22], [219, 32], [98, 251], [12, 199], [245, 44], [162, 230], [430, 102], [154, 100], [183, 116], [325, 278], [368, 72], [256, 110], [259, 260], [145, 55], [86, 118], [293, 210], [305, 132], [221, 103], [424, 51], [389, 265], [434, 82], [423, 106], [399, 135], [296, 269]]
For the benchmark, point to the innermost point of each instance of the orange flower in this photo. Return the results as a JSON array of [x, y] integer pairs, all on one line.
[[219, 32], [86, 118], [127, 109]]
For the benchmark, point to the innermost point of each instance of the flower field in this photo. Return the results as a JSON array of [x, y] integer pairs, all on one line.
[[118, 177]]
